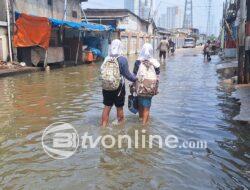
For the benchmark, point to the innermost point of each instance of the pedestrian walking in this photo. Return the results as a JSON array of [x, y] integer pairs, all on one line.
[[207, 50], [113, 71], [163, 48], [147, 70], [171, 46]]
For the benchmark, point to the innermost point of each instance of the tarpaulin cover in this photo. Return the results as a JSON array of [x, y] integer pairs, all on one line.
[[95, 27], [80, 25], [76, 25], [96, 52], [32, 31], [59, 23]]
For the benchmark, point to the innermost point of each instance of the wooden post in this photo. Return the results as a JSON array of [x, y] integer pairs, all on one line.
[[129, 40], [45, 59], [78, 47], [137, 43]]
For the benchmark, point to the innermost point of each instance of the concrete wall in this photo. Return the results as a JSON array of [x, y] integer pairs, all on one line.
[[3, 44], [2, 10], [4, 52], [133, 42], [133, 23], [42, 8]]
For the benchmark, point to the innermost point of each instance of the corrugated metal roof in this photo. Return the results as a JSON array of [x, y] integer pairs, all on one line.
[[111, 13]]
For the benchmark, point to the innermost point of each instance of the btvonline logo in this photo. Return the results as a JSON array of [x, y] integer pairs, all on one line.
[[60, 140]]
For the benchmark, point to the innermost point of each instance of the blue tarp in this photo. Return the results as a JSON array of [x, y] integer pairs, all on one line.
[[77, 25], [59, 23], [95, 27], [96, 52], [80, 25]]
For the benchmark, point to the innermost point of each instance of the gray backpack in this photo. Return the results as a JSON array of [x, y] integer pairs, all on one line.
[[110, 74]]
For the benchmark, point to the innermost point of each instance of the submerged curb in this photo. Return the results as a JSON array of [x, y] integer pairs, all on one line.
[[23, 70]]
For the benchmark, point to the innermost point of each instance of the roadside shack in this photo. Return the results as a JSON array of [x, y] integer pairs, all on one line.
[[41, 41]]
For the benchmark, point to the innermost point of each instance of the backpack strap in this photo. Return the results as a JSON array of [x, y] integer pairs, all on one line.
[[122, 78]]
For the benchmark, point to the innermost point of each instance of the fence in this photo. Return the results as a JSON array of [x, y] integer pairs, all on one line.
[[132, 43]]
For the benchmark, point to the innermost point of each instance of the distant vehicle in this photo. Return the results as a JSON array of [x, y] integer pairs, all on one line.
[[189, 43]]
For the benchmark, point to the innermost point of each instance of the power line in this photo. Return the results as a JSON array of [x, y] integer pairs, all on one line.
[[188, 14]]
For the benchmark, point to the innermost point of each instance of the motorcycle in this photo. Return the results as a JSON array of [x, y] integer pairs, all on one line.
[[172, 50]]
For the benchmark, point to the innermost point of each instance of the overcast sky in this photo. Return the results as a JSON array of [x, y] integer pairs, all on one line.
[[200, 10]]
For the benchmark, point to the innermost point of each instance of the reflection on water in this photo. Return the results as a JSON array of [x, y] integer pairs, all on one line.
[[191, 105]]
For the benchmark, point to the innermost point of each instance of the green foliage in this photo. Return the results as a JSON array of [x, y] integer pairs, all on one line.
[[212, 37]]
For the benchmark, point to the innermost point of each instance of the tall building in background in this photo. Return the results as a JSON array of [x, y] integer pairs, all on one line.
[[179, 18], [162, 22], [133, 6], [171, 17], [146, 8], [142, 8]]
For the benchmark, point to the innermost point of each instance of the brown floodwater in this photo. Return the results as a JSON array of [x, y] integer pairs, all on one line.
[[191, 105]]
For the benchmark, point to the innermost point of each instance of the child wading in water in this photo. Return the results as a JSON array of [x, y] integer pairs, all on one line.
[[147, 70], [113, 71]]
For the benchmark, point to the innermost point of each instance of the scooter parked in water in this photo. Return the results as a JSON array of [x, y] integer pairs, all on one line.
[[172, 50]]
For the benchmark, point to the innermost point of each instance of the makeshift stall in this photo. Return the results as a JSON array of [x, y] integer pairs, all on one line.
[[49, 40], [97, 43], [30, 32]]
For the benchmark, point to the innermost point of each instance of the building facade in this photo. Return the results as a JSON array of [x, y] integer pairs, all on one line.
[[3, 32], [135, 30], [146, 9], [41, 8], [142, 8], [50, 8], [133, 6], [162, 22], [179, 18], [171, 17]]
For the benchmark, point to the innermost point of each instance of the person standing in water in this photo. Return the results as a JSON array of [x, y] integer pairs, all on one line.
[[206, 50], [113, 71], [147, 70], [163, 47]]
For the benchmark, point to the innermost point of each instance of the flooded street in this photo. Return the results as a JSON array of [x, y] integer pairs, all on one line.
[[191, 105]]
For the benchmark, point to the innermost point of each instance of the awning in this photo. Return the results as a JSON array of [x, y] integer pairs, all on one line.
[[69, 24], [36, 31], [76, 25], [95, 27], [80, 25]]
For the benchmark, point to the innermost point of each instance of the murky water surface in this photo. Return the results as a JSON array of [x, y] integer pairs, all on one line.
[[191, 105]]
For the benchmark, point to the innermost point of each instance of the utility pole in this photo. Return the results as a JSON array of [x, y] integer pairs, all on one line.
[[65, 9], [209, 18], [82, 10], [9, 32], [188, 14], [151, 10]]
